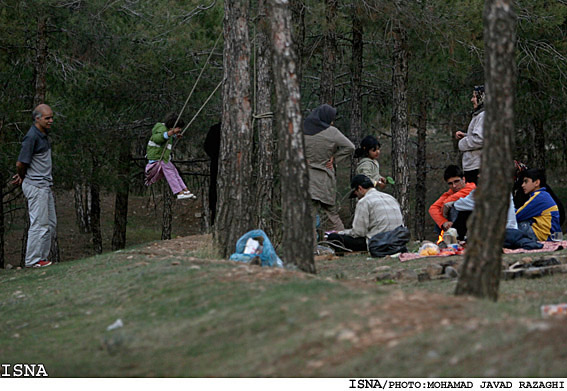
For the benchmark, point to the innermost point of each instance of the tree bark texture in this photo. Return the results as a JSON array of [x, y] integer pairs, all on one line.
[[329, 55], [266, 140], [167, 212], [480, 275], [121, 199], [40, 62], [400, 132], [296, 202], [235, 200], [421, 172]]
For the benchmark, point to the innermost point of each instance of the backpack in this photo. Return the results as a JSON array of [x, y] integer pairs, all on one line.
[[388, 243]]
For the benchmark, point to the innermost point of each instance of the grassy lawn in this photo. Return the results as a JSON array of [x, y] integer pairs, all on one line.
[[186, 314]]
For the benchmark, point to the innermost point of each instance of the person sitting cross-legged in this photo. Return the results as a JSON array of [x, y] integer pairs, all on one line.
[[375, 212], [458, 188], [539, 216]]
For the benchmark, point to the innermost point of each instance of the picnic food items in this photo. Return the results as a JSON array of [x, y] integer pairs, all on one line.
[[428, 248]]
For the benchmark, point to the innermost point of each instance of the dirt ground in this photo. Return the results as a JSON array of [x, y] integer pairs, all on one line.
[[144, 222]]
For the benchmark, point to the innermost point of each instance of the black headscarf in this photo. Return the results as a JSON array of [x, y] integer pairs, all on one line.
[[319, 119]]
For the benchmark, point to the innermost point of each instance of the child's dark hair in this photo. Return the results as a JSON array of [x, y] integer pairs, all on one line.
[[170, 121], [367, 144], [534, 174], [452, 171]]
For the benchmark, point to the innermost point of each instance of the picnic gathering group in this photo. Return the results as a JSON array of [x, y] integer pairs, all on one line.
[[535, 213]]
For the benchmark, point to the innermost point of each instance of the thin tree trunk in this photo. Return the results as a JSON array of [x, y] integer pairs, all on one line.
[[40, 61], [266, 143], [356, 89], [1, 220], [167, 212], [296, 202], [82, 207], [95, 217], [25, 234], [400, 133], [235, 202], [421, 172], [481, 271], [54, 254], [121, 200], [329, 56], [298, 33], [539, 144]]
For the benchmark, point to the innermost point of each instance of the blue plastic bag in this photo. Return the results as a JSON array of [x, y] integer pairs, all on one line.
[[268, 255]]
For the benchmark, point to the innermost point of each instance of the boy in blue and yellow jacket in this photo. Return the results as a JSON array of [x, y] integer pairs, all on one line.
[[540, 212]]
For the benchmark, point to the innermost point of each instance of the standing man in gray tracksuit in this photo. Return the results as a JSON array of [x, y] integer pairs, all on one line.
[[34, 168]]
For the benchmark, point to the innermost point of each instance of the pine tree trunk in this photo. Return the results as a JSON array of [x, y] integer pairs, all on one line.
[[400, 133], [167, 212], [1, 220], [95, 217], [356, 76], [82, 207], [54, 254], [421, 172], [25, 234], [235, 200], [121, 200], [266, 142], [298, 9], [539, 144], [329, 55], [481, 271], [40, 61], [356, 89], [296, 203]]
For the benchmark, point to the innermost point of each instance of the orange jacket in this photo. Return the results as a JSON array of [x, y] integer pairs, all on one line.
[[436, 210]]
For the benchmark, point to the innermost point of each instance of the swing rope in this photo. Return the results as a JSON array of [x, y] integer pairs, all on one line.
[[191, 94]]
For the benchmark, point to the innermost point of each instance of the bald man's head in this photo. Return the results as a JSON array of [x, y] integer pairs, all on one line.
[[43, 117]]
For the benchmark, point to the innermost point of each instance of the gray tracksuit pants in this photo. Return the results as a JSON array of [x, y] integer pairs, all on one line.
[[43, 222]]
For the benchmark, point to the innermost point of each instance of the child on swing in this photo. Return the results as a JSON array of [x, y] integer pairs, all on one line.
[[369, 151], [158, 153]]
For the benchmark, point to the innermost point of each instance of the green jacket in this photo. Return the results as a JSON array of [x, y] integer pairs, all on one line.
[[157, 143]]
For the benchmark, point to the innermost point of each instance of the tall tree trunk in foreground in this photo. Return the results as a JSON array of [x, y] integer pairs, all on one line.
[[329, 56], [122, 192], [481, 271], [421, 172], [266, 142], [235, 202], [400, 132], [296, 202]]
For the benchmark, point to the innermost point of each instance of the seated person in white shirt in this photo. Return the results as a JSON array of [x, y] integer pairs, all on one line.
[[375, 212]]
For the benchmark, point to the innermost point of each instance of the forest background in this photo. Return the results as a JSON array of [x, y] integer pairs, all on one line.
[[112, 69]]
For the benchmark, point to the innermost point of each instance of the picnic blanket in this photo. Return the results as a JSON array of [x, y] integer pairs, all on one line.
[[547, 246]]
